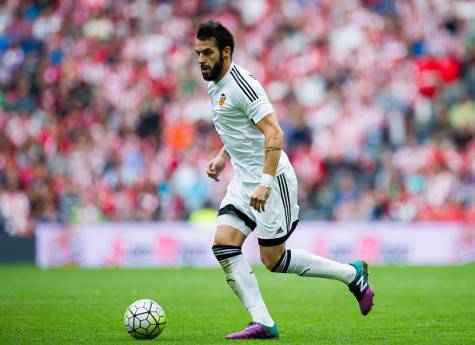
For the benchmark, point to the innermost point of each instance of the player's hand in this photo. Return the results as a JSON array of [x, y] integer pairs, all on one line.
[[216, 167], [259, 198]]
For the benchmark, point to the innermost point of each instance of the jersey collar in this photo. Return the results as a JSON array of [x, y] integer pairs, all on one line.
[[226, 76]]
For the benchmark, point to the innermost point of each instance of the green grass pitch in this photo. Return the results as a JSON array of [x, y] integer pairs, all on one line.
[[413, 305]]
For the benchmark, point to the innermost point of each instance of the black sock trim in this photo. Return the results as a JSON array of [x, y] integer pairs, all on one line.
[[274, 269], [287, 263], [283, 264], [222, 252], [225, 246]]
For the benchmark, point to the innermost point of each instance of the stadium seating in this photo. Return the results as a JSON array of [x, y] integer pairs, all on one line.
[[104, 115]]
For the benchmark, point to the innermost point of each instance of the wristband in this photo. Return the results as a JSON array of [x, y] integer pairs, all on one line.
[[266, 180]]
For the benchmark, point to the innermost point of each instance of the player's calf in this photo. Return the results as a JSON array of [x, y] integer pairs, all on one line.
[[243, 282], [354, 275], [304, 263]]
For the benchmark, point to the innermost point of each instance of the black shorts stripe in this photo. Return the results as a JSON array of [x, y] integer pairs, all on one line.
[[286, 188], [231, 209], [287, 195], [284, 201], [246, 91], [276, 241], [281, 187], [245, 82]]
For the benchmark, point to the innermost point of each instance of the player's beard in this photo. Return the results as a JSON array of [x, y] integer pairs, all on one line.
[[213, 74]]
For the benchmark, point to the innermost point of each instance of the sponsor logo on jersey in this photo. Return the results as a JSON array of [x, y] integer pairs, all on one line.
[[222, 99]]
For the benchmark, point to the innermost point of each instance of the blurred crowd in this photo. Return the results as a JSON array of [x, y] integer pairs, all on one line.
[[104, 115]]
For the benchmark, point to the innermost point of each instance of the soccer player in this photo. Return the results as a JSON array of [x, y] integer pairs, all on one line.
[[263, 193]]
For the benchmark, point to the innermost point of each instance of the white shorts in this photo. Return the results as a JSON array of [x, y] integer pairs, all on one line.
[[276, 223]]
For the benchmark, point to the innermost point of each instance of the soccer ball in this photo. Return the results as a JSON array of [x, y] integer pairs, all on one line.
[[144, 319]]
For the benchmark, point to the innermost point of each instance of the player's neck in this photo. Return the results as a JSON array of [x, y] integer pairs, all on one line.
[[224, 70]]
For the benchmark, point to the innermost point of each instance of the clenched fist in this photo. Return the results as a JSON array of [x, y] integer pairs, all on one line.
[[259, 198], [216, 167]]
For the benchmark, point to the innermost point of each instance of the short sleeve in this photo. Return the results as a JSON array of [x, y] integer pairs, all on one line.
[[253, 99], [258, 109]]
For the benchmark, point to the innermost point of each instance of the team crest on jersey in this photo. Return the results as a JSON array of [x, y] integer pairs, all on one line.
[[222, 99]]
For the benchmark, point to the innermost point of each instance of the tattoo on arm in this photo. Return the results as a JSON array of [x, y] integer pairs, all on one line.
[[272, 148]]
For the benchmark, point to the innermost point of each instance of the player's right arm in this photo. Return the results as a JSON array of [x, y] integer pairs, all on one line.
[[217, 164]]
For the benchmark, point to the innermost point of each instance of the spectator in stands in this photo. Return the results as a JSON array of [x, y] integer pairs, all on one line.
[[103, 117]]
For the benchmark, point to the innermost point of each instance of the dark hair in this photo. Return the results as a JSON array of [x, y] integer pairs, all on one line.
[[216, 30]]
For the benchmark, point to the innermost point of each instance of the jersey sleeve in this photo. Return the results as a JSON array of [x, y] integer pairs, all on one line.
[[252, 97]]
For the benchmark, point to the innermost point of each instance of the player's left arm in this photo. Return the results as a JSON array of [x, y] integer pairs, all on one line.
[[274, 137], [255, 103]]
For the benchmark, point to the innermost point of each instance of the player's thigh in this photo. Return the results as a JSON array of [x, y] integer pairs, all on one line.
[[228, 235], [270, 255], [235, 221]]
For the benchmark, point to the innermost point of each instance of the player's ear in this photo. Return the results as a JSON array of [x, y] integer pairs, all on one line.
[[227, 52]]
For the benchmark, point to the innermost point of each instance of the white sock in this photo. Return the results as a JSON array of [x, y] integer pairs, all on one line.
[[303, 263], [242, 280]]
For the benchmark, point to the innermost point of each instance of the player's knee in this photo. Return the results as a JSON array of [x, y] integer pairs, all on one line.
[[270, 259], [270, 256], [223, 241], [268, 263], [220, 241], [226, 235]]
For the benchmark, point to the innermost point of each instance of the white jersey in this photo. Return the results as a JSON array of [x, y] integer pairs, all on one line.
[[239, 102]]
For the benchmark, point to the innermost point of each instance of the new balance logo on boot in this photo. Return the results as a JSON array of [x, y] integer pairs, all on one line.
[[362, 284], [360, 287]]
